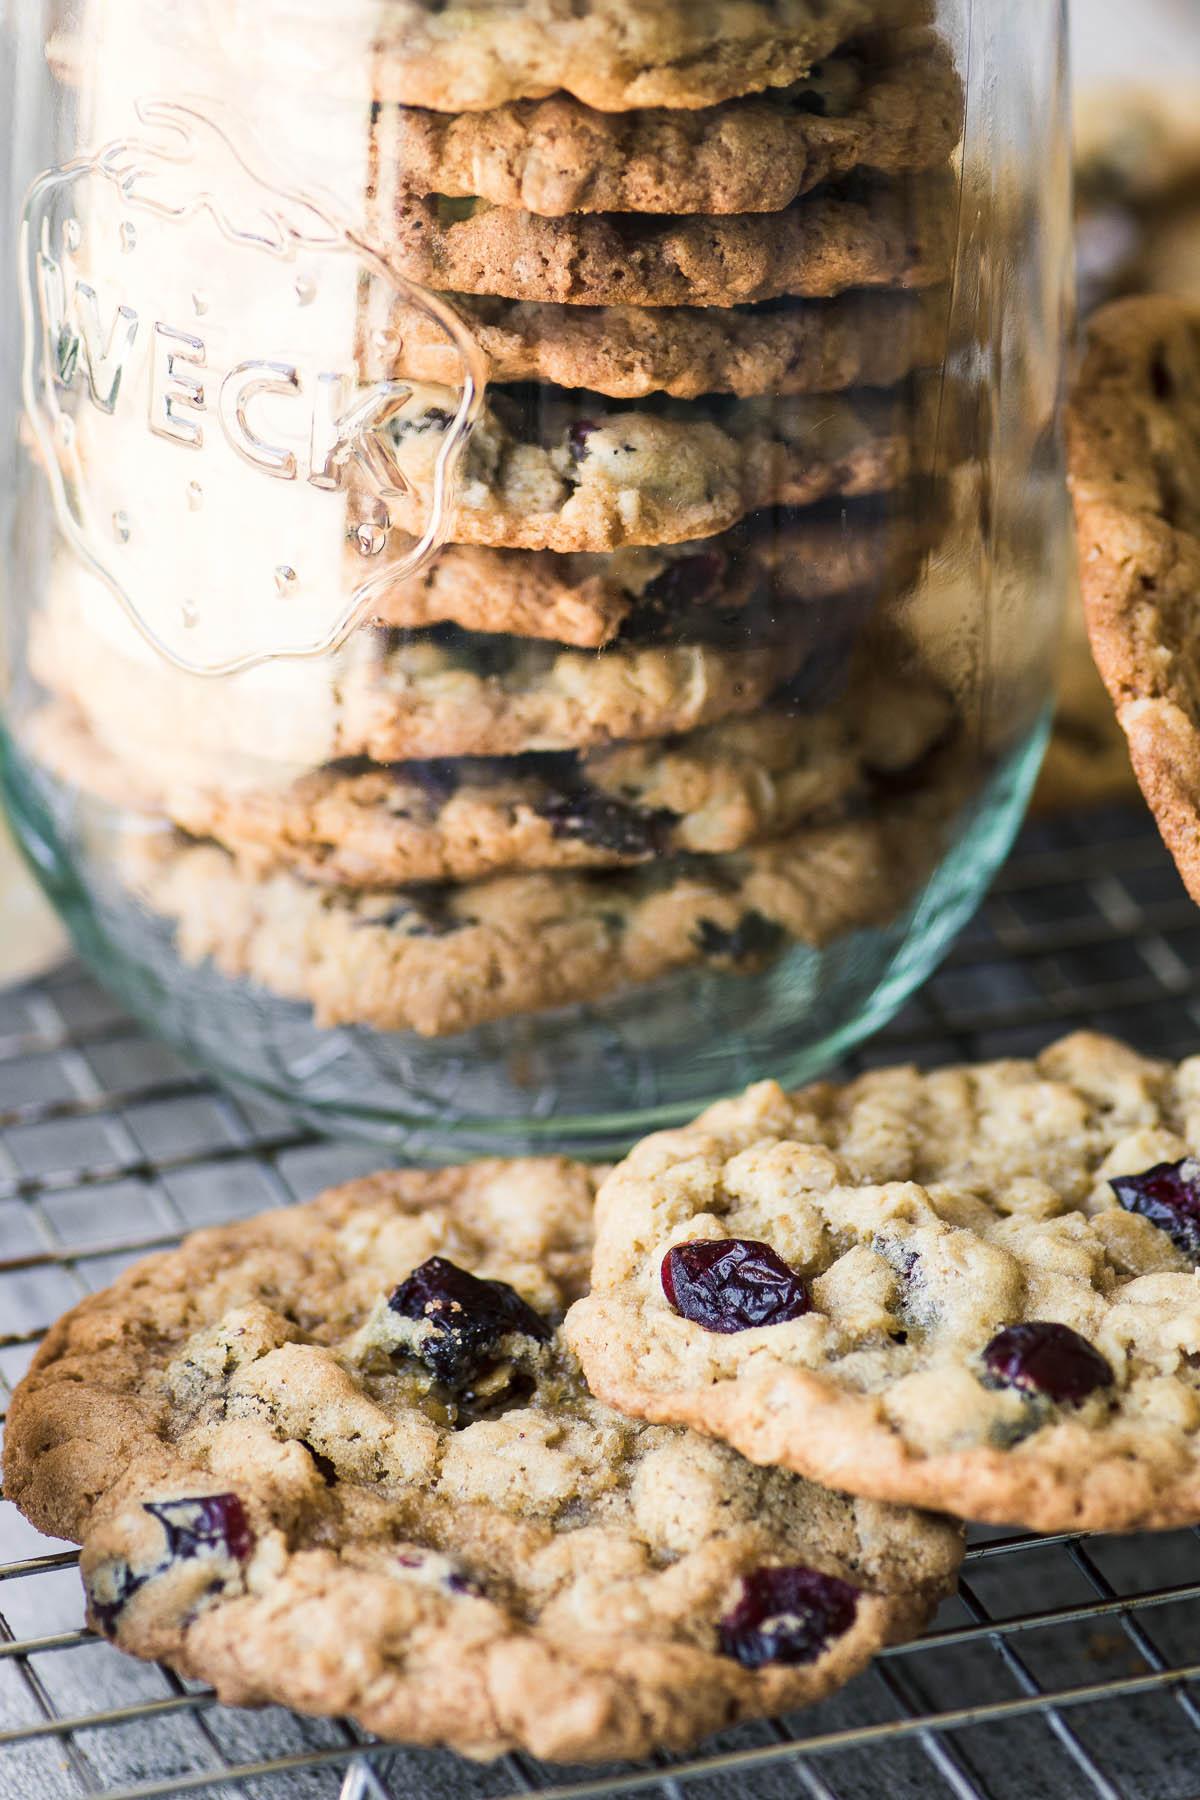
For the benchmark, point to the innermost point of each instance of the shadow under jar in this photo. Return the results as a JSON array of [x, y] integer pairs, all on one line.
[[537, 531]]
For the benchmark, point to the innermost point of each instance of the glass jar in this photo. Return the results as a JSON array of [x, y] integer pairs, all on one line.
[[535, 530]]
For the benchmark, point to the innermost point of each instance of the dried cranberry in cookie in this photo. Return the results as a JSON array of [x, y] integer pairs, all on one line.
[[607, 824], [212, 1525], [1169, 1196], [753, 936], [732, 1284], [467, 1318], [786, 1615], [209, 1528], [1048, 1359]]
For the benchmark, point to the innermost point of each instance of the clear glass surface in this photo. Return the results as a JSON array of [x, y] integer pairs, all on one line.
[[533, 555]]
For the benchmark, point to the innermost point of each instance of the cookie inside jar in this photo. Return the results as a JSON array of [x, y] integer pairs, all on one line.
[[625, 564]]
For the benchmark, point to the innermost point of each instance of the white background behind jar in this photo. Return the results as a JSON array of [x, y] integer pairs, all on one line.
[[1130, 40]]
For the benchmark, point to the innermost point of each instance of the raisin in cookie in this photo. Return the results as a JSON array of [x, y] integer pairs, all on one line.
[[863, 233], [359, 824], [975, 1287], [441, 960], [339, 1457], [719, 590], [557, 156], [780, 347], [550, 469], [1134, 446]]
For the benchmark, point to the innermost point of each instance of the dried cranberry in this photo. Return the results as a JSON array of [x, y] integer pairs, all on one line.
[[786, 1615], [753, 936], [122, 1585], [438, 780], [607, 824], [732, 1284], [1169, 1196], [1047, 1359], [213, 1522], [468, 1316], [578, 435]]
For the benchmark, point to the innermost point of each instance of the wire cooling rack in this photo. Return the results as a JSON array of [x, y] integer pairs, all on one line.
[[1065, 1668]]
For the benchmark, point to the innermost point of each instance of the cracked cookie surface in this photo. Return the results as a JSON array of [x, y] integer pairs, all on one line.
[[612, 54], [626, 352], [992, 1295], [1134, 450], [338, 1457], [556, 156], [721, 590], [858, 234], [554, 469]]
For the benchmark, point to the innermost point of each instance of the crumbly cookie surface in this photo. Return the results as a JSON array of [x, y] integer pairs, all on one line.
[[944, 1229], [719, 590], [552, 469], [864, 233], [442, 960], [626, 352], [1134, 448], [612, 54], [290, 1482], [399, 697], [365, 825], [557, 156]]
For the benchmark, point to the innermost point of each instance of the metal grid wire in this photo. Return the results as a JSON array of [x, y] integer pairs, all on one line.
[[1063, 1668]]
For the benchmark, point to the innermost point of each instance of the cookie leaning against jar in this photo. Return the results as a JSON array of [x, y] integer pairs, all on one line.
[[1133, 434], [975, 1287], [338, 1457]]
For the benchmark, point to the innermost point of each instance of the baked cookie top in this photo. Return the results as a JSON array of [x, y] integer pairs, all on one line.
[[439, 960], [613, 54], [339, 1457], [556, 469], [779, 347], [756, 155], [879, 232], [1134, 448], [719, 590], [975, 1287]]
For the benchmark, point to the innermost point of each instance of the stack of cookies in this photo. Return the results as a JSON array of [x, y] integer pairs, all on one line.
[[642, 712], [516, 1456]]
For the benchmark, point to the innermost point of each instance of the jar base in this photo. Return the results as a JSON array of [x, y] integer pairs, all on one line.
[[582, 1080]]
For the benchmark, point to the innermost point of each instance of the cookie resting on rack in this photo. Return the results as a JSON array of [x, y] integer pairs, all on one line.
[[338, 1457], [975, 1288]]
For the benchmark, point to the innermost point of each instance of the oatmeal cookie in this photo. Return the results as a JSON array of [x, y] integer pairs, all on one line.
[[614, 55], [1134, 446], [550, 469], [626, 352], [976, 1287], [864, 233], [754, 155], [397, 696], [338, 1457], [707, 590], [441, 960], [359, 824]]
